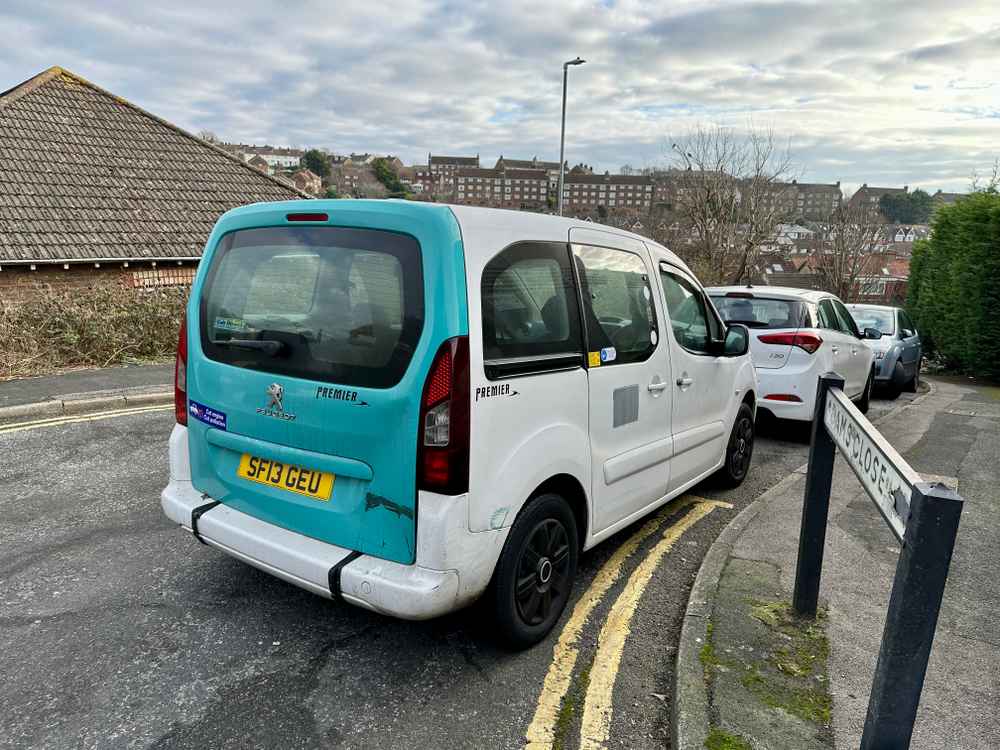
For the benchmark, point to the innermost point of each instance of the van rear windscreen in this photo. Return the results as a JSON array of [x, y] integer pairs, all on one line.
[[323, 303]]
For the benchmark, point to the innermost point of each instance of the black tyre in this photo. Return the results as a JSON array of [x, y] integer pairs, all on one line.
[[866, 397], [739, 451], [914, 383], [534, 576]]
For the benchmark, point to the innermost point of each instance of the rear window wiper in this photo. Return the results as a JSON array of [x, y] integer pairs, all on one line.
[[748, 323], [269, 347]]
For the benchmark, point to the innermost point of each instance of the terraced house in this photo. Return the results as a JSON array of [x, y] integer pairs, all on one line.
[[95, 190]]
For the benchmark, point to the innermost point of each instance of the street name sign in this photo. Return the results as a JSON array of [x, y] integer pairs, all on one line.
[[884, 474], [924, 518]]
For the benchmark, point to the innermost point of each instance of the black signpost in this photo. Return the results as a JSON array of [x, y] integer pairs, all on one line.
[[923, 517]]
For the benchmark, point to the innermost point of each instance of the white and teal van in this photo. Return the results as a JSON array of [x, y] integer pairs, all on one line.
[[407, 405]]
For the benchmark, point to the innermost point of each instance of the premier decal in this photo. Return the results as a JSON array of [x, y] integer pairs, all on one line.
[[340, 394], [492, 391]]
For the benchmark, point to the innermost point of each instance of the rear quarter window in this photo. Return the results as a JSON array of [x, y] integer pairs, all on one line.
[[529, 310], [762, 312], [322, 303]]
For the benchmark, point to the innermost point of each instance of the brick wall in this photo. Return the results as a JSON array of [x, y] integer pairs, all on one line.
[[18, 283]]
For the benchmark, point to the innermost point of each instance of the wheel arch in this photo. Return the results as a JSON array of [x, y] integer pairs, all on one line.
[[569, 488]]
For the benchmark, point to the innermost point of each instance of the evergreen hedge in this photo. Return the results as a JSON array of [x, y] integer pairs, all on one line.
[[954, 288]]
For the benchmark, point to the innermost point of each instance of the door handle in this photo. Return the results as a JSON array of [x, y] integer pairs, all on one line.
[[656, 386], [684, 381], [834, 349]]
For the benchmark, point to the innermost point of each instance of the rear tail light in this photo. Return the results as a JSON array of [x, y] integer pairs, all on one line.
[[180, 376], [443, 453], [808, 342]]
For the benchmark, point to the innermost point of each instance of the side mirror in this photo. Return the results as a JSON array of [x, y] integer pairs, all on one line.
[[872, 333], [737, 341]]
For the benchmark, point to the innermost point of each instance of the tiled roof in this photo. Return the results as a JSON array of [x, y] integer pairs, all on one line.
[[86, 175], [527, 163], [462, 161], [243, 148], [612, 179]]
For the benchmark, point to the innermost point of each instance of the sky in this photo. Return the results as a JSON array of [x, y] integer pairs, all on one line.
[[888, 93]]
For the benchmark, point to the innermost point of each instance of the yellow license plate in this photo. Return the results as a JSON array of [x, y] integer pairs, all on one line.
[[309, 482]]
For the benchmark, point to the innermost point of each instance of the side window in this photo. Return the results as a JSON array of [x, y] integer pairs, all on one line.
[[844, 317], [689, 317], [530, 309], [617, 305], [827, 315], [906, 327]]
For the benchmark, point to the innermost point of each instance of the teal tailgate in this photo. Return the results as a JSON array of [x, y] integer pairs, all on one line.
[[366, 437]]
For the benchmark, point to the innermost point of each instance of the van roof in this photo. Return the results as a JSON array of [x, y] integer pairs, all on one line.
[[502, 226]]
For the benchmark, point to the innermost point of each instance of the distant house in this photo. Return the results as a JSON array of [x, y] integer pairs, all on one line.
[[275, 156], [941, 199], [869, 197], [308, 181], [95, 190], [259, 162], [886, 281]]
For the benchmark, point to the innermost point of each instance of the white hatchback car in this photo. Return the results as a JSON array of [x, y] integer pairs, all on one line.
[[795, 336]]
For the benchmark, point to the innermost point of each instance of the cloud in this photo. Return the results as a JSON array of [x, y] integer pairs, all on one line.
[[881, 93]]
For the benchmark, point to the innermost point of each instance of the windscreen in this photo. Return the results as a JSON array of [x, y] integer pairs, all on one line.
[[762, 312], [323, 303], [871, 317]]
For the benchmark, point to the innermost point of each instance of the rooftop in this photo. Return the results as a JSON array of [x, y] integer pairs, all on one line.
[[89, 176]]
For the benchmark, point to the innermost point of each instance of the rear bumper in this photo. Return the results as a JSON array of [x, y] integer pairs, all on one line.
[[772, 381], [453, 565]]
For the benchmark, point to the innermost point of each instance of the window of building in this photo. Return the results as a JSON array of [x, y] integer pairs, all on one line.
[[618, 309]]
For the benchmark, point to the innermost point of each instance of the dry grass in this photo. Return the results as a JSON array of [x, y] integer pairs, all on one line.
[[56, 329]]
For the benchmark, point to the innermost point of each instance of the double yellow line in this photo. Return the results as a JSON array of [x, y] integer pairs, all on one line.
[[597, 709], [55, 421]]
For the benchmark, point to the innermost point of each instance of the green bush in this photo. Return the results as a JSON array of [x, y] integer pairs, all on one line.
[[54, 328], [954, 288]]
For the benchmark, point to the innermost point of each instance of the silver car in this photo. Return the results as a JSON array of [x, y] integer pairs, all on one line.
[[898, 353]]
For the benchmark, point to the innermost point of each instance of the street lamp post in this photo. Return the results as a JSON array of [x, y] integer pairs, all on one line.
[[562, 134]]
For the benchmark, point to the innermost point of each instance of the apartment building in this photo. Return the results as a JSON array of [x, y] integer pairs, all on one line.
[[551, 168], [585, 192], [438, 175], [502, 187]]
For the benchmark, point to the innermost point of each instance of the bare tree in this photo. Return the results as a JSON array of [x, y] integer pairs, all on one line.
[[988, 184], [728, 192], [849, 256]]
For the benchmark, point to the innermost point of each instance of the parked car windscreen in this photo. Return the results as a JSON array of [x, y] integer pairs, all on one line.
[[323, 303], [873, 317], [762, 312]]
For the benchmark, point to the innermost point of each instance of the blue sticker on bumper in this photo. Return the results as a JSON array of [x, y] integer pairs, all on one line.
[[207, 414]]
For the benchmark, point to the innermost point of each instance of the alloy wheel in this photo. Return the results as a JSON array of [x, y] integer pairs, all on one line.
[[543, 572], [739, 461]]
